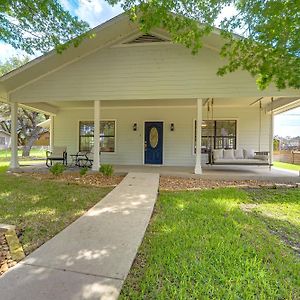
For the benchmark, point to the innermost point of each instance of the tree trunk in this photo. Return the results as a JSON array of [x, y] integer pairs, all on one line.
[[30, 141]]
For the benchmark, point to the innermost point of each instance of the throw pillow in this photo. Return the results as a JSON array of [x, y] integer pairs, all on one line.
[[218, 153], [228, 154], [249, 154], [239, 153]]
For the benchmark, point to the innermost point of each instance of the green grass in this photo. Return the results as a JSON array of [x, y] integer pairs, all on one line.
[[38, 153], [41, 208], [202, 245], [286, 166]]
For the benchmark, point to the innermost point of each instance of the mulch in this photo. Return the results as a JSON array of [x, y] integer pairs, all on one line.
[[97, 180], [169, 183]]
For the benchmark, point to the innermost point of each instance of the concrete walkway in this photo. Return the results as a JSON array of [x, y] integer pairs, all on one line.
[[91, 258]]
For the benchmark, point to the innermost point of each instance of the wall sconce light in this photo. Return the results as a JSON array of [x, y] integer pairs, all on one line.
[[134, 127], [172, 127]]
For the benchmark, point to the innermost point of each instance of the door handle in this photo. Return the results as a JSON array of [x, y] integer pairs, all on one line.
[[145, 146]]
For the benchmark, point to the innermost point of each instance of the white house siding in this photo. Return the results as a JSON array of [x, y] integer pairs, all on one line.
[[178, 145], [162, 71]]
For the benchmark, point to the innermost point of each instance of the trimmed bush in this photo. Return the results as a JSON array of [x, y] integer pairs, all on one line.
[[106, 170], [57, 169], [83, 171]]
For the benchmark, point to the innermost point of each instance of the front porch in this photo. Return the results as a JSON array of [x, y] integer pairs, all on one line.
[[213, 173]]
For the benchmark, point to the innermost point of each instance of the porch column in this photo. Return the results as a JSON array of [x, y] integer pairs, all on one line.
[[51, 144], [198, 169], [96, 163], [14, 163], [271, 133]]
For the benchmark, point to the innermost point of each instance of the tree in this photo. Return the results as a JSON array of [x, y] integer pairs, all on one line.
[[39, 25], [28, 131], [268, 46]]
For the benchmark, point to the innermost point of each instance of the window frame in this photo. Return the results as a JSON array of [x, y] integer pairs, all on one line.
[[215, 136], [102, 120]]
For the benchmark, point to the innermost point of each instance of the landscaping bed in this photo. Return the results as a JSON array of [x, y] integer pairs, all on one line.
[[169, 183], [95, 179]]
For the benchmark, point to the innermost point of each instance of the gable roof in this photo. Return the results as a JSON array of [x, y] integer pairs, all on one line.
[[113, 31]]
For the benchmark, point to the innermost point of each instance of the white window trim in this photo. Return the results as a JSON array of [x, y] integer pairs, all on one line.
[[89, 120], [216, 119]]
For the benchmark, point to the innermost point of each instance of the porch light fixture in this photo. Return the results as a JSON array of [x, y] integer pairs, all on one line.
[[134, 127], [172, 127]]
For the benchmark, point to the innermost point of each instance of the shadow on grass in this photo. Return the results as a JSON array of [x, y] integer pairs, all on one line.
[[201, 245], [40, 209]]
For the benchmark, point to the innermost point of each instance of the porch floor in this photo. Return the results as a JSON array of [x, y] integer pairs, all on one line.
[[209, 172]]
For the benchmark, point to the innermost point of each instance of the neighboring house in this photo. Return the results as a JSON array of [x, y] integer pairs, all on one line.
[[4, 140], [150, 100], [43, 140]]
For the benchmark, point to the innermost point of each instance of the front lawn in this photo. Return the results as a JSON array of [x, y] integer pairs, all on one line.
[[286, 166], [5, 154], [42, 208], [219, 244]]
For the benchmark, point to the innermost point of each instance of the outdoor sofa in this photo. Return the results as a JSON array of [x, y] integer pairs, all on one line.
[[240, 157]]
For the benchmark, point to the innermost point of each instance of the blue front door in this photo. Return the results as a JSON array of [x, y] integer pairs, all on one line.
[[153, 143]]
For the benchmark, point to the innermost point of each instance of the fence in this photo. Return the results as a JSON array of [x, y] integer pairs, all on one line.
[[287, 156]]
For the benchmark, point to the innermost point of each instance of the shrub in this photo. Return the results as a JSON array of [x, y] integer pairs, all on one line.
[[57, 169], [83, 171], [106, 170]]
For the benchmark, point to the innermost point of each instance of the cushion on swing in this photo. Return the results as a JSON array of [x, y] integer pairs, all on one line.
[[228, 154], [218, 153], [239, 154]]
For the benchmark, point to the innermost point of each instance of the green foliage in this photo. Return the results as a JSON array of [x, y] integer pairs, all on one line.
[[13, 63], [106, 170], [83, 171], [276, 144], [269, 45], [57, 169], [39, 25], [202, 245]]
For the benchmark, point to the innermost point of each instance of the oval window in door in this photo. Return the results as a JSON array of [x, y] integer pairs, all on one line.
[[153, 139]]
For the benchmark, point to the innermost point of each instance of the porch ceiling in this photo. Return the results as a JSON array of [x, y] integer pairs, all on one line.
[[279, 104]]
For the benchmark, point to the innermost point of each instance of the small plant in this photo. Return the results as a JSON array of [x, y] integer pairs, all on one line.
[[83, 171], [106, 170], [57, 169]]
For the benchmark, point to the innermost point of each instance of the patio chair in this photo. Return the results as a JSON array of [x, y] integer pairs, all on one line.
[[57, 154], [85, 159]]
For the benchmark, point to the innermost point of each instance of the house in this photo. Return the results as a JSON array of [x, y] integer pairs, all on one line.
[[4, 140], [44, 139], [145, 99]]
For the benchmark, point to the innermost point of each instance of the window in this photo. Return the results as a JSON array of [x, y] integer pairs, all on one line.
[[107, 136], [221, 134], [2, 140]]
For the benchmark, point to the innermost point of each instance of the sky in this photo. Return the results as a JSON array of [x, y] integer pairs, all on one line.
[[288, 123], [96, 12]]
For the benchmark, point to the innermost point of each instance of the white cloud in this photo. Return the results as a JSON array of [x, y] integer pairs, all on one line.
[[66, 4], [7, 51], [90, 11], [96, 12]]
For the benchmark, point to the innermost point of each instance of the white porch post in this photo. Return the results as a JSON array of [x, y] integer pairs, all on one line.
[[51, 144], [96, 162], [198, 169], [271, 134], [14, 163]]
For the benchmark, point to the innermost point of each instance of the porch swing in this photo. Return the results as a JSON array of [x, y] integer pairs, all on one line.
[[237, 157]]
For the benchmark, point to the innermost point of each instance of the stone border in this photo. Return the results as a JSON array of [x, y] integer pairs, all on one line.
[[15, 248]]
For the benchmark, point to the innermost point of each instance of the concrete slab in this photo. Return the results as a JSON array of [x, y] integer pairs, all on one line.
[[101, 244]]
